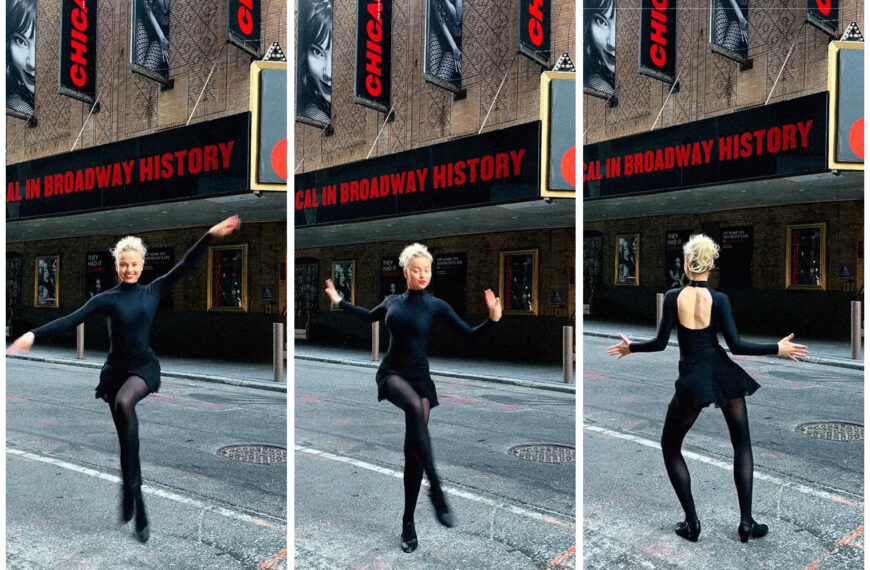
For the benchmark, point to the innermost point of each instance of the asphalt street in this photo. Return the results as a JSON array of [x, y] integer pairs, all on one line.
[[511, 512], [810, 491], [206, 511]]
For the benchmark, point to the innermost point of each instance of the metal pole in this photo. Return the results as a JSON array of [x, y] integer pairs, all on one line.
[[660, 308], [80, 342], [278, 351], [856, 330], [568, 354], [376, 340]]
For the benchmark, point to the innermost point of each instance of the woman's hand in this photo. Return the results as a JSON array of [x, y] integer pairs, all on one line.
[[24, 342], [493, 304], [790, 349], [226, 227], [332, 293], [621, 349]]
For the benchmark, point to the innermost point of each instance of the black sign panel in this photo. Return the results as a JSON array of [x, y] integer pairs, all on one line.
[[201, 160], [78, 49], [675, 275], [243, 25], [735, 258], [783, 139], [824, 14], [658, 39], [374, 46], [100, 273], [392, 279], [449, 280], [158, 261], [534, 31], [500, 166]]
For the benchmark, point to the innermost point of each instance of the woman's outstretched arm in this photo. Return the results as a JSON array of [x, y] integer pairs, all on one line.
[[660, 342], [449, 315], [729, 330], [371, 316], [57, 326]]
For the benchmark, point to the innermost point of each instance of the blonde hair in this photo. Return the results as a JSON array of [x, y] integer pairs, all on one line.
[[129, 243], [700, 252], [412, 251]]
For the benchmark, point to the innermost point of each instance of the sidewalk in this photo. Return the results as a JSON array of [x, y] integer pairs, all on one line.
[[256, 375], [821, 351], [541, 376]]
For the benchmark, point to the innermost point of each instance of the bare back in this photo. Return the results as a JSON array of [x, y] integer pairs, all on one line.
[[694, 307]]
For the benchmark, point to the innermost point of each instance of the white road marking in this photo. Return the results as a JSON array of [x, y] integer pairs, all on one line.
[[229, 513], [729, 466], [447, 489]]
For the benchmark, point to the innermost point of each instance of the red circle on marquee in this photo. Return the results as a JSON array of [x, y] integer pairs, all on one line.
[[568, 166], [824, 6], [856, 137], [279, 158]]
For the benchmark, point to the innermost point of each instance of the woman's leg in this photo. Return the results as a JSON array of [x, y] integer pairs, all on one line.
[[738, 426], [677, 424], [413, 469], [131, 393]]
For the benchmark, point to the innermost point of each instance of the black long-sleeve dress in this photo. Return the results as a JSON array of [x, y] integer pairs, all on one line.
[[409, 318], [707, 374], [129, 309]]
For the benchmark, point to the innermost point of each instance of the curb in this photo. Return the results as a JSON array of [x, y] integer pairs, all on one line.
[[565, 388], [823, 360], [271, 387]]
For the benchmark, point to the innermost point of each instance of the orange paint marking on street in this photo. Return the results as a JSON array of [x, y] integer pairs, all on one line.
[[559, 559], [274, 559], [265, 524], [555, 522], [847, 540], [844, 501]]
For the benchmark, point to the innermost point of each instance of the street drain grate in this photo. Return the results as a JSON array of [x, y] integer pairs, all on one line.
[[545, 453], [261, 454], [834, 431]]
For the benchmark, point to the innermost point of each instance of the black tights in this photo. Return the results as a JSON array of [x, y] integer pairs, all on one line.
[[677, 424], [418, 446], [123, 406]]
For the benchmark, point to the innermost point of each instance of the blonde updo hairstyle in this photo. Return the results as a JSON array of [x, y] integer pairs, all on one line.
[[129, 243], [412, 251], [701, 253]]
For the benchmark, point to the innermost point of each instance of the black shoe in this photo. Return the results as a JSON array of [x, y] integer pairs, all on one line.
[[751, 530], [142, 532], [442, 511], [409, 537], [689, 530], [126, 504]]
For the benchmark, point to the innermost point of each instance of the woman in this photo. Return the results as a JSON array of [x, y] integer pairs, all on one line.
[[403, 377], [131, 371], [20, 56], [707, 376], [599, 45], [315, 62], [445, 37], [152, 27]]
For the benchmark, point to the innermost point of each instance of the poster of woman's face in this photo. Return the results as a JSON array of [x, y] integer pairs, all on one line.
[[46, 281], [729, 28], [342, 278], [20, 57], [314, 62], [443, 61], [149, 48], [599, 46], [627, 267]]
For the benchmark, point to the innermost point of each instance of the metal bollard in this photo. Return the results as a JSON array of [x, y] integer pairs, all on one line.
[[80, 342], [376, 340], [660, 308], [567, 354], [857, 337], [278, 351]]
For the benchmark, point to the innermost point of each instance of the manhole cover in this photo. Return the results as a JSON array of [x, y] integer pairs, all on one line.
[[255, 453], [545, 453], [835, 431]]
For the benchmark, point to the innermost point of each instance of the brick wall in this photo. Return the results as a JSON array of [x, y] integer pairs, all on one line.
[[130, 104]]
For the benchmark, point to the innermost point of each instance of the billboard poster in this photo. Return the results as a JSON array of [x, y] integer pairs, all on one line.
[[729, 29], [149, 41], [100, 272], [392, 278], [675, 277], [20, 57], [449, 280], [658, 39], [599, 47], [443, 58], [824, 14], [158, 261], [243, 25], [534, 30], [78, 50], [314, 62], [374, 45], [735, 258]]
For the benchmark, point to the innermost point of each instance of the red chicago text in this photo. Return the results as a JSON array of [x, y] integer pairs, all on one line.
[[374, 48], [78, 71]]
